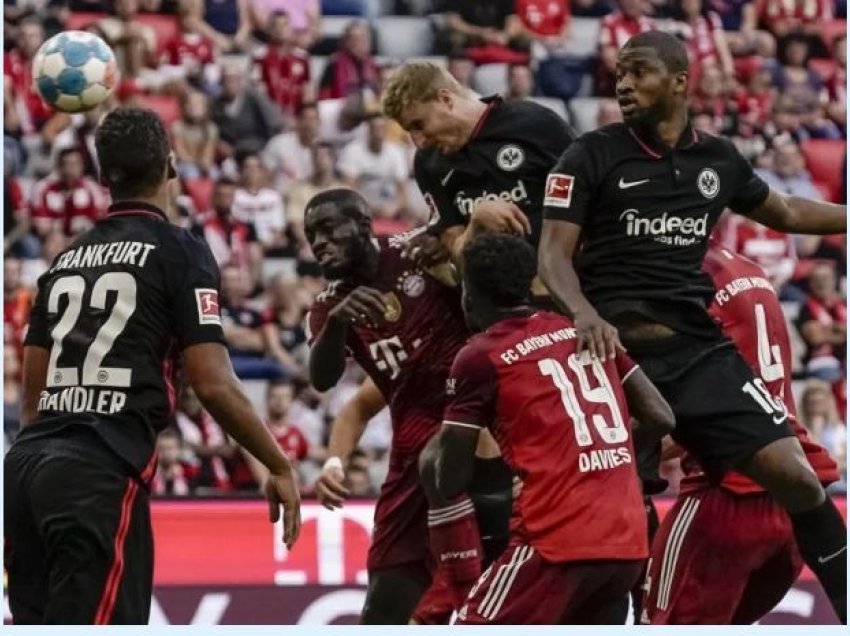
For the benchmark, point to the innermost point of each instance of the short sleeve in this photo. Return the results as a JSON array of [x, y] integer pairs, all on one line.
[[625, 366], [197, 310], [471, 388], [570, 186], [752, 190], [442, 213], [38, 331]]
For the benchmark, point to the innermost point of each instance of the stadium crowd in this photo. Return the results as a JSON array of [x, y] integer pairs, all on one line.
[[269, 102]]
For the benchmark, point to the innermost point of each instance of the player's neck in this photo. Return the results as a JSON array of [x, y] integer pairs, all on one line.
[[159, 199], [493, 315], [471, 113], [670, 130]]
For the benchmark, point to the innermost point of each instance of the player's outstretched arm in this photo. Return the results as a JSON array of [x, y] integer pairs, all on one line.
[[800, 215], [346, 431], [36, 360], [456, 458], [211, 375], [648, 407], [558, 243]]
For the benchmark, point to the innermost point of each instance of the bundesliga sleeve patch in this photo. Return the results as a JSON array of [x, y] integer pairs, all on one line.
[[559, 190], [208, 310]]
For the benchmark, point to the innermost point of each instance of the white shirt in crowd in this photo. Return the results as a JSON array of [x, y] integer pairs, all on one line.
[[264, 209], [287, 159]]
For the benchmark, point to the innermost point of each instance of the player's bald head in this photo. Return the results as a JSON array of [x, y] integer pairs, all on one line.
[[338, 201]]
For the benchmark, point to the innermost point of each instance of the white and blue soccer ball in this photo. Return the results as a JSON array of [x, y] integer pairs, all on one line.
[[74, 71]]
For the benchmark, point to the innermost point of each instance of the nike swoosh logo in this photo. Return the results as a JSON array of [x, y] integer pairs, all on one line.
[[781, 420], [625, 185], [830, 557], [445, 179]]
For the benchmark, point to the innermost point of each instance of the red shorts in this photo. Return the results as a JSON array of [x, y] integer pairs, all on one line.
[[400, 535], [521, 588], [720, 559]]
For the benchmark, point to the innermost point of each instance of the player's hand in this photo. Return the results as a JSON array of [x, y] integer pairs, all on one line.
[[363, 305], [597, 336], [281, 489], [329, 487], [500, 216], [426, 250]]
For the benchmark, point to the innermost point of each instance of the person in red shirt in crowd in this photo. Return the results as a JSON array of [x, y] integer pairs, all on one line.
[[579, 532], [67, 201], [615, 30], [16, 221], [191, 49], [836, 84], [17, 300], [284, 68], [823, 324], [173, 475], [232, 242], [732, 541], [32, 111], [784, 17], [279, 398], [712, 97], [352, 69], [705, 38], [544, 19]]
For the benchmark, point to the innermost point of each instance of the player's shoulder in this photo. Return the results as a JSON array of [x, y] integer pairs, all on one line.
[[610, 134], [476, 350], [719, 260], [429, 160], [718, 142]]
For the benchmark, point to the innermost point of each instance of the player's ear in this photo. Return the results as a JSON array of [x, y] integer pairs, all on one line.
[[172, 170], [681, 83]]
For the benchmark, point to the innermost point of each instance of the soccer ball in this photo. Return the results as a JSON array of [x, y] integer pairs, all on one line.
[[74, 71]]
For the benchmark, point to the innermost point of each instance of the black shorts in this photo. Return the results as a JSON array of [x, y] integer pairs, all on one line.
[[78, 540], [722, 418]]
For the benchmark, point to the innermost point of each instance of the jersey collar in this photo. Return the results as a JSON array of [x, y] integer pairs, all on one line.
[[655, 148], [136, 208], [491, 101]]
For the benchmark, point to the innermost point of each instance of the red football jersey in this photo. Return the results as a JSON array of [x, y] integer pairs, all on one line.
[[616, 29], [77, 207], [750, 315], [562, 424], [191, 49], [409, 354], [291, 441], [18, 72], [803, 11], [543, 17], [284, 76]]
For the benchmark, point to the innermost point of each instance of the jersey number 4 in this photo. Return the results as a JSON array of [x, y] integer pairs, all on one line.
[[613, 432], [74, 288]]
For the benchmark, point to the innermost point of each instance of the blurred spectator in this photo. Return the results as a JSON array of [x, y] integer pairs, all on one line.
[[820, 415], [545, 21], [284, 68], [520, 82], [16, 221], [711, 97], [609, 113], [12, 394], [305, 16], [755, 103], [243, 329], [705, 38], [230, 19], [283, 325], [793, 78], [30, 111], [194, 138], [173, 475], [232, 242], [352, 70], [788, 174], [134, 43], [461, 68], [740, 22], [485, 31], [256, 204], [279, 400], [17, 299], [306, 413], [191, 50], [615, 31], [245, 117], [323, 177], [823, 325], [836, 84], [359, 483], [67, 201], [205, 440], [378, 169], [783, 18], [289, 155]]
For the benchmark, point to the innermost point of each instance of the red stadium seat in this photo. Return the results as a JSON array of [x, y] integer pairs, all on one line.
[[81, 20], [166, 106], [200, 191], [825, 161], [830, 29], [166, 27], [824, 68]]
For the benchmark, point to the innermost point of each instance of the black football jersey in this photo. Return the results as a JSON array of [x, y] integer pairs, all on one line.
[[646, 212], [114, 309], [514, 147]]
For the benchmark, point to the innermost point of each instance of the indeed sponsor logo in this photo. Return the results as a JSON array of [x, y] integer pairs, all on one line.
[[516, 194], [666, 228]]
